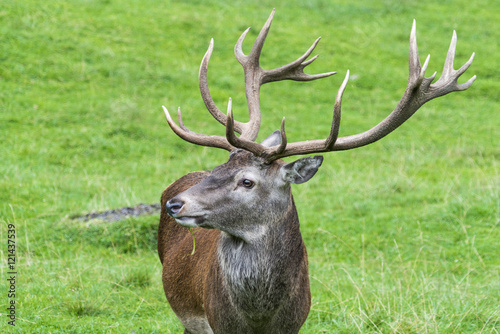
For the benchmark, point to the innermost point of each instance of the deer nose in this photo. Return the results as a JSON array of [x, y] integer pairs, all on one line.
[[174, 206]]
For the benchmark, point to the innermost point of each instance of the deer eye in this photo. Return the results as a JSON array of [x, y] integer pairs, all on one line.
[[247, 183]]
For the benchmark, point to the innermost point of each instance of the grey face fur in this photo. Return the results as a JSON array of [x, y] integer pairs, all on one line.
[[245, 195]]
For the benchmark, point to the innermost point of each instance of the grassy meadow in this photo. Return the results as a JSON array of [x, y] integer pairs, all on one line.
[[403, 235]]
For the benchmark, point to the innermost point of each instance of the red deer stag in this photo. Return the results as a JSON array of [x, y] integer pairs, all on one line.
[[249, 273]]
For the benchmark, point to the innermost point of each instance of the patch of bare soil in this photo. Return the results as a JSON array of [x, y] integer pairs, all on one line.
[[122, 213]]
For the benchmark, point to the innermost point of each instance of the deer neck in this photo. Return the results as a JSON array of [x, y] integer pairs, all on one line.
[[258, 273]]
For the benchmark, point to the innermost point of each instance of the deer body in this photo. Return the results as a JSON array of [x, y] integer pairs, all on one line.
[[250, 260], [249, 272]]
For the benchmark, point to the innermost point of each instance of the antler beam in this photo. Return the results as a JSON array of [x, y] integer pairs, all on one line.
[[255, 77], [418, 91]]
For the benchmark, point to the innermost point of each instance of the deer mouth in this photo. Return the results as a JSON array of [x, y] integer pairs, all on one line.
[[190, 221]]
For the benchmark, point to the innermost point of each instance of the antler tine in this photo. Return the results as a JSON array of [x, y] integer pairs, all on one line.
[[295, 70], [254, 55], [282, 146], [193, 137], [238, 48], [261, 38], [205, 92], [179, 119], [334, 132], [234, 140], [462, 69], [414, 61], [450, 56]]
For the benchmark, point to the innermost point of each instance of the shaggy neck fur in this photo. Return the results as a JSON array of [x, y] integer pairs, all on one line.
[[259, 274]]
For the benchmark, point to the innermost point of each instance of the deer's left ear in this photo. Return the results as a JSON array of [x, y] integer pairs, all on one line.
[[273, 139], [301, 170]]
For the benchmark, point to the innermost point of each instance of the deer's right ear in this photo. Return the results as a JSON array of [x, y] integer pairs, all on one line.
[[301, 170]]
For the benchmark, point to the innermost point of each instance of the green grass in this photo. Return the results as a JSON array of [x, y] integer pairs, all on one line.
[[403, 235]]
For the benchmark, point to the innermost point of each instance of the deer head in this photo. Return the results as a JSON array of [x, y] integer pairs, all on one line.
[[245, 196]]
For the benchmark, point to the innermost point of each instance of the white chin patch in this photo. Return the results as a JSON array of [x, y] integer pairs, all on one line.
[[186, 221]]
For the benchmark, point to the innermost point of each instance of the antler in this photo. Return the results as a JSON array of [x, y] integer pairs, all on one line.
[[255, 77], [418, 91]]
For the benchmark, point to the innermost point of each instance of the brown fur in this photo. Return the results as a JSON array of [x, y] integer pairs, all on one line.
[[174, 248]]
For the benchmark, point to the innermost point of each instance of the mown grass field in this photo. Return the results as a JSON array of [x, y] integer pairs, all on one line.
[[403, 235]]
